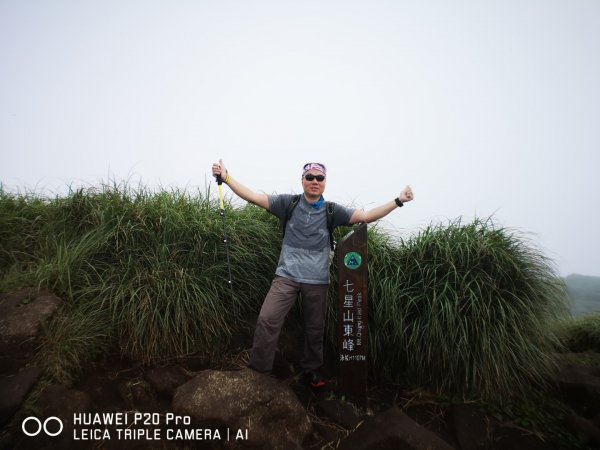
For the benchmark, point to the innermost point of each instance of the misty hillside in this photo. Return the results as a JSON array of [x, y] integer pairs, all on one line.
[[585, 293]]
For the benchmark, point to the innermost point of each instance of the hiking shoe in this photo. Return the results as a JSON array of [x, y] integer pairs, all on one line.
[[314, 379]]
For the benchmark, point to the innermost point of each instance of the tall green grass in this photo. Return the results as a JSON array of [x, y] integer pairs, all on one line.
[[151, 265], [465, 309], [581, 334]]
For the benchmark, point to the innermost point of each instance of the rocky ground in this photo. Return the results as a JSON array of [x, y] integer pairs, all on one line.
[[189, 404]]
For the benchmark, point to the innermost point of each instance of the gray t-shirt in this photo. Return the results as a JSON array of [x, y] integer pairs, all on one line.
[[305, 250]]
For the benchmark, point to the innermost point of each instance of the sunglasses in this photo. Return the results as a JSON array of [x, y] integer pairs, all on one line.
[[310, 177]]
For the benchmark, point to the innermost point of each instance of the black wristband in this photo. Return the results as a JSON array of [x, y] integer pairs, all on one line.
[[399, 202]]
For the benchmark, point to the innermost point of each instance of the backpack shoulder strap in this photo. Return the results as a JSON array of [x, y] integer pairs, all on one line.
[[330, 210], [288, 212]]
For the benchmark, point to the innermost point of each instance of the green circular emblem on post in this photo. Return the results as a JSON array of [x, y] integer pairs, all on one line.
[[352, 260]]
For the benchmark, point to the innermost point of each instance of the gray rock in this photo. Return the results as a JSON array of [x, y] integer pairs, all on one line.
[[13, 390], [344, 414], [392, 429], [164, 380], [245, 400], [584, 428], [138, 396], [62, 401], [580, 386], [470, 426], [21, 316]]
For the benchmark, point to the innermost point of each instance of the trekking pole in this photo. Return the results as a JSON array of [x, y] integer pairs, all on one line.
[[225, 240]]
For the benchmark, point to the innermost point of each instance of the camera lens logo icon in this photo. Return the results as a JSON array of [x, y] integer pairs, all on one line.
[[34, 430]]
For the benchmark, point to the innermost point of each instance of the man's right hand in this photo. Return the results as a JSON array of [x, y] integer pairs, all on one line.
[[219, 170]]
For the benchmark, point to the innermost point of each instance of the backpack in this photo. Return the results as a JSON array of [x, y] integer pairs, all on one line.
[[329, 208]]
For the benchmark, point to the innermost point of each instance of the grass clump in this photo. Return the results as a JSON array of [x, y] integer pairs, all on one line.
[[74, 340], [144, 272], [465, 309], [581, 334]]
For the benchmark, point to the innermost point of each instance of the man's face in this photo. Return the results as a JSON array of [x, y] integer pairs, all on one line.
[[313, 189]]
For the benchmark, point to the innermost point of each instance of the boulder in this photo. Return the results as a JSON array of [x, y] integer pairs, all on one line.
[[13, 390], [245, 400], [58, 404], [580, 387], [392, 429], [164, 380], [21, 316], [342, 413], [584, 428], [470, 426], [138, 396]]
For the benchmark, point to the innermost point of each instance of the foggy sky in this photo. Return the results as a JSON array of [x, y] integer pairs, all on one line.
[[484, 108]]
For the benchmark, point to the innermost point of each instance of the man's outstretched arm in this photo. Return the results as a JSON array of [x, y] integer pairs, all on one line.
[[256, 198], [383, 210]]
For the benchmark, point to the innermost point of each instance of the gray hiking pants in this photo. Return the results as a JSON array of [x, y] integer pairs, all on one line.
[[278, 302]]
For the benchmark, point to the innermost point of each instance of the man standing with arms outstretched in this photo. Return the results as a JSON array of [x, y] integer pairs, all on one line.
[[303, 263]]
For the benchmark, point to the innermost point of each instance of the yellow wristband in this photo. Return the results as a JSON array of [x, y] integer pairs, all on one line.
[[227, 178]]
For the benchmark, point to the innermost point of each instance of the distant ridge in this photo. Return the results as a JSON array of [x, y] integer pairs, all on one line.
[[584, 290]]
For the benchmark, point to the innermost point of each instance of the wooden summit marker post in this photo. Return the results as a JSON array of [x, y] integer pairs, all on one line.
[[353, 329]]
